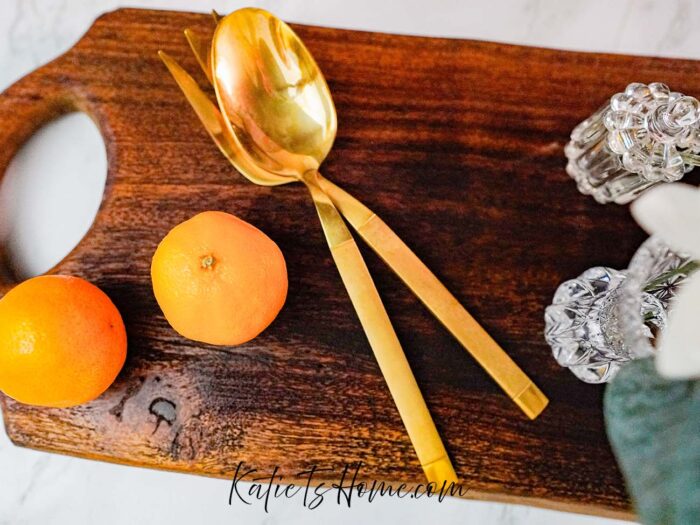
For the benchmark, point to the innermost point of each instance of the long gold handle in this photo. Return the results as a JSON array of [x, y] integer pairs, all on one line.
[[439, 300], [383, 340]]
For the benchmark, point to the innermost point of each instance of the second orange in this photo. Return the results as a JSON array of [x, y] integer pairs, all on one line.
[[219, 279]]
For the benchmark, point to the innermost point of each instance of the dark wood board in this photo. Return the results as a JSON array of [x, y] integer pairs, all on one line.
[[458, 146]]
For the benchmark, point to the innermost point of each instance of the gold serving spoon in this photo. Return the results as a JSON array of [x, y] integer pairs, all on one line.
[[382, 239], [290, 159]]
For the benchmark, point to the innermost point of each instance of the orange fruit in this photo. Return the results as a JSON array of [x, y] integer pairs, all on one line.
[[62, 341], [218, 279]]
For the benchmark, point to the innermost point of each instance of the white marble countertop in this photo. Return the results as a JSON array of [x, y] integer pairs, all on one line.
[[37, 487]]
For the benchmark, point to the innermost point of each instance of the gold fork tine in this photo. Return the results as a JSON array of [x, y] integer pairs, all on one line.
[[201, 52], [213, 122], [205, 109]]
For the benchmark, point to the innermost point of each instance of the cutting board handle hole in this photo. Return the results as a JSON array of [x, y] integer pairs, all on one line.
[[50, 195]]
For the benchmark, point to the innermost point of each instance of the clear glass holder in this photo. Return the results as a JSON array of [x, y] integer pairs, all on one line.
[[641, 137], [606, 317]]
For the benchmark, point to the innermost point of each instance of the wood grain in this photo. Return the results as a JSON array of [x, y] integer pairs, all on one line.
[[458, 146]]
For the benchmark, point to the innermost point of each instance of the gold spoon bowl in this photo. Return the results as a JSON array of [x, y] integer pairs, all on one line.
[[270, 88]]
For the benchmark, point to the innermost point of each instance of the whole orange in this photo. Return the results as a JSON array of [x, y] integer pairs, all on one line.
[[218, 279], [62, 341]]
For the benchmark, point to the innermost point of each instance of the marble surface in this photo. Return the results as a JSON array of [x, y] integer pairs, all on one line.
[[41, 222]]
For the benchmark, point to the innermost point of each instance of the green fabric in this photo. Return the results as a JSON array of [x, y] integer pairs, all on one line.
[[654, 428]]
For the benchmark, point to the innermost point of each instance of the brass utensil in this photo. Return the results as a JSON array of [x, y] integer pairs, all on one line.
[[354, 273], [417, 276]]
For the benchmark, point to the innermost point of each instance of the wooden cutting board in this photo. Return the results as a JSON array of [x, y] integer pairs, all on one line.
[[458, 146]]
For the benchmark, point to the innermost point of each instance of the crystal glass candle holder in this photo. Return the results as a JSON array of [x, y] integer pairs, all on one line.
[[606, 317], [643, 136]]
